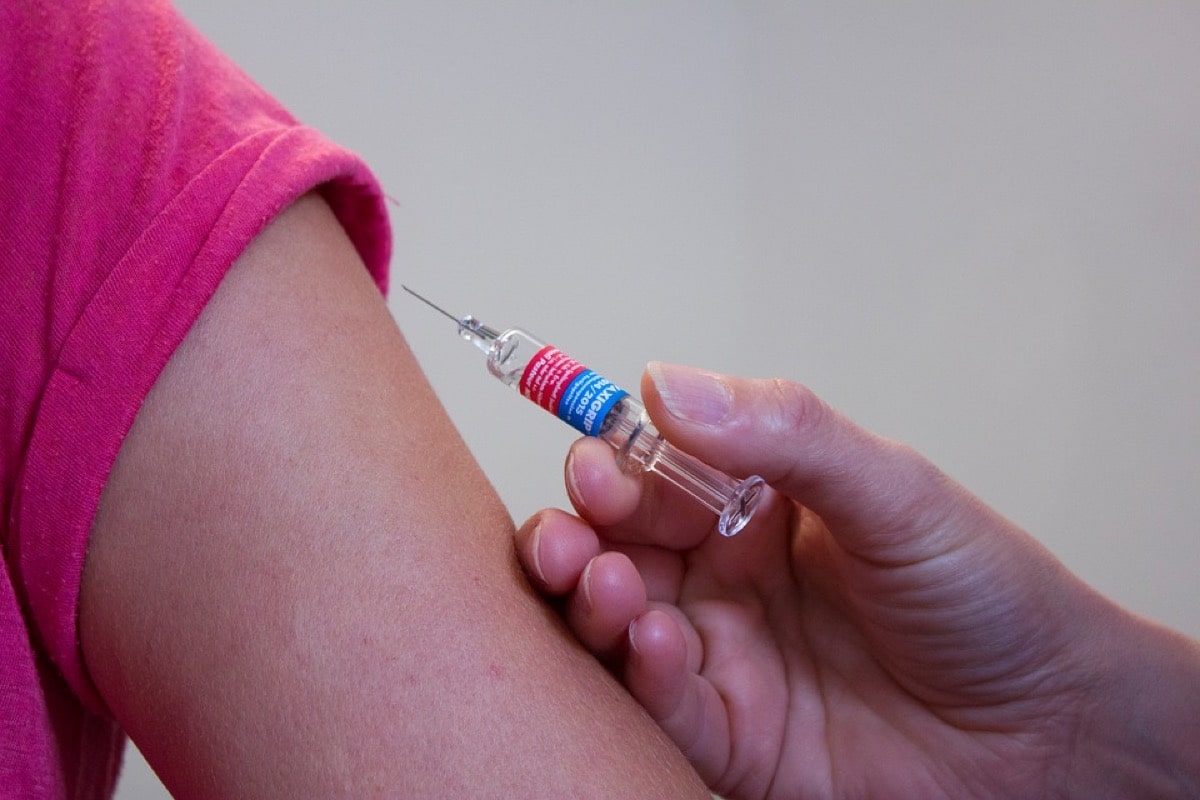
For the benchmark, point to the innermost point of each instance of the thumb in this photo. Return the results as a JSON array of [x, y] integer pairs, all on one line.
[[875, 496]]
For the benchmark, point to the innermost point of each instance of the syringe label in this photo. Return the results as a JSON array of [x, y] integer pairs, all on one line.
[[564, 387], [587, 401], [547, 376]]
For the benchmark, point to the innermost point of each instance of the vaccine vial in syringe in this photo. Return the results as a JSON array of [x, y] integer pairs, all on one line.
[[595, 406]]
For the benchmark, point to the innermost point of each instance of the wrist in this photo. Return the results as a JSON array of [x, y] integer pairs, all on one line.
[[1141, 735]]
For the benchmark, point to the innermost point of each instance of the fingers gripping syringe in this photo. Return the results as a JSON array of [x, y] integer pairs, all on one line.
[[596, 407]]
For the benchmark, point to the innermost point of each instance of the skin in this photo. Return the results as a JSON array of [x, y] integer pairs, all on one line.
[[875, 632], [299, 584]]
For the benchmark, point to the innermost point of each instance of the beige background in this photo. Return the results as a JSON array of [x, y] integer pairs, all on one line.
[[974, 227]]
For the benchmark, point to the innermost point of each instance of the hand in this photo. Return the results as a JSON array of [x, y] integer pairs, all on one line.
[[876, 631]]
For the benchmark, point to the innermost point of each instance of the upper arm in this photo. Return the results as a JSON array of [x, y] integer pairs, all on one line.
[[300, 584]]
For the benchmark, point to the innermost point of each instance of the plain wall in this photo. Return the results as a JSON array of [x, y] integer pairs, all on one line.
[[974, 227]]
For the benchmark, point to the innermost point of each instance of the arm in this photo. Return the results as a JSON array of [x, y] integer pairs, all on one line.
[[299, 583]]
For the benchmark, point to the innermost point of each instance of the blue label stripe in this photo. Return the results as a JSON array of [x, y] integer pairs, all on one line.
[[587, 401]]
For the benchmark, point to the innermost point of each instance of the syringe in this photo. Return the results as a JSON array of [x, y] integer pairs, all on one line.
[[596, 406]]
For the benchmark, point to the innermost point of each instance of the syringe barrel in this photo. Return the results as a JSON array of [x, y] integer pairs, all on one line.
[[510, 353], [596, 406], [641, 448]]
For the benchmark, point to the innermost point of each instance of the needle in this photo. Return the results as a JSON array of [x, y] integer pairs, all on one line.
[[430, 303]]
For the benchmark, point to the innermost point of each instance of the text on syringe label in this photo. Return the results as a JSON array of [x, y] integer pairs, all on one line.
[[575, 394]]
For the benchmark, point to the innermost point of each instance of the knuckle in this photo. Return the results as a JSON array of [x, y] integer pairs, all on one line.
[[791, 408]]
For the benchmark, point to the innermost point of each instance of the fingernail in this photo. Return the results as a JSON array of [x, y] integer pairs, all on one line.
[[535, 547], [569, 474], [585, 587], [633, 643], [691, 394]]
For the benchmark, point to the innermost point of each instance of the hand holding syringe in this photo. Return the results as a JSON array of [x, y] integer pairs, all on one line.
[[597, 407]]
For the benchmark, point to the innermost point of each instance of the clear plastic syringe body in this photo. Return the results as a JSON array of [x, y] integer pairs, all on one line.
[[597, 407]]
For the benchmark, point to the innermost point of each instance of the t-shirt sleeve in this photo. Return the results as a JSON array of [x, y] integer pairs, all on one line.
[[136, 164]]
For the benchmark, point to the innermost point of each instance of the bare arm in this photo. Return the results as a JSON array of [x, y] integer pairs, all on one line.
[[300, 584]]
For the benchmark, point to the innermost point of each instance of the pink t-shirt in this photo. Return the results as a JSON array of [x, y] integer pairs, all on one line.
[[136, 164]]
